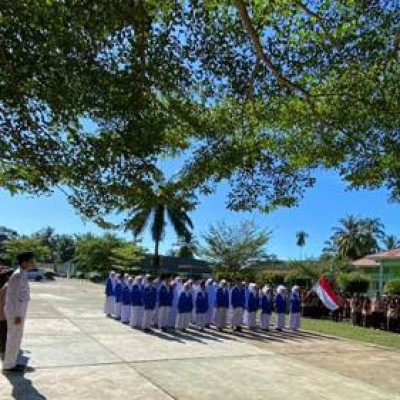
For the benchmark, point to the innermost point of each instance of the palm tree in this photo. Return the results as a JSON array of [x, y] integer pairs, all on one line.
[[301, 237], [154, 211], [391, 242], [357, 237]]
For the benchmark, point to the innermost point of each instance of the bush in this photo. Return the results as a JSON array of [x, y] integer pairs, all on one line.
[[95, 277], [392, 287], [353, 282], [50, 275], [79, 275]]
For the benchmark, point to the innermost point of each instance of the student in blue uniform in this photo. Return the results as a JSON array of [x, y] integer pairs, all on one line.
[[171, 317], [267, 303], [221, 305], [201, 306], [280, 308], [149, 303], [126, 301], [237, 305], [210, 290], [252, 306], [136, 303], [163, 304], [185, 308], [118, 297], [110, 295], [294, 310]]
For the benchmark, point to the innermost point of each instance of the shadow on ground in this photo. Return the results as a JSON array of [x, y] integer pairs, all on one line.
[[23, 388]]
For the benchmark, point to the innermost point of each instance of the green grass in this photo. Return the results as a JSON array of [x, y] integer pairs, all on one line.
[[348, 331]]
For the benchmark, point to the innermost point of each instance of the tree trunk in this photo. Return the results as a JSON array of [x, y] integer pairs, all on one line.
[[156, 259]]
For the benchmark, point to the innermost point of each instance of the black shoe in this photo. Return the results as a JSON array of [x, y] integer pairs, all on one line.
[[18, 369]]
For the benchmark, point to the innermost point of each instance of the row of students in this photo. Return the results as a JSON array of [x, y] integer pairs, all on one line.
[[168, 304]]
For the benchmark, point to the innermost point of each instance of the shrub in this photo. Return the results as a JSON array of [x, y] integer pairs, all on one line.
[[79, 275], [50, 275], [392, 287], [353, 282], [95, 277]]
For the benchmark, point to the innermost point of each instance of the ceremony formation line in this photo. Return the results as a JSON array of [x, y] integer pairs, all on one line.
[[173, 303]]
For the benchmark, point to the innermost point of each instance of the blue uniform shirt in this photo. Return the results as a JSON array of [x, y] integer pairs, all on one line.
[[252, 302], [110, 287], [185, 302], [236, 297], [163, 296], [126, 296], [280, 304], [136, 296], [201, 302], [118, 292], [222, 298], [149, 297], [294, 303], [266, 304]]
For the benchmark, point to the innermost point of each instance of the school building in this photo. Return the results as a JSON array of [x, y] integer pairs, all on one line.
[[380, 267]]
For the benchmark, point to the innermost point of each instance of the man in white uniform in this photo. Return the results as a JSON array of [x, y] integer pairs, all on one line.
[[15, 309]]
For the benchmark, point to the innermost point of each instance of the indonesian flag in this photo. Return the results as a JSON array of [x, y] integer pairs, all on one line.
[[326, 294]]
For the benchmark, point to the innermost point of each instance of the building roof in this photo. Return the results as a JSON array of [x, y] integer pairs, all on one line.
[[365, 262], [384, 255]]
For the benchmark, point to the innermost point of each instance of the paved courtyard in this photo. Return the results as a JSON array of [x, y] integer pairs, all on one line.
[[78, 354]]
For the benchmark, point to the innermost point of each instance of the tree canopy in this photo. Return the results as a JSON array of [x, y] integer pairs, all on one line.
[[235, 247], [260, 94]]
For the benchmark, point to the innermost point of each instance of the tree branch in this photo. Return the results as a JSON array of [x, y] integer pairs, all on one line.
[[255, 39], [250, 89]]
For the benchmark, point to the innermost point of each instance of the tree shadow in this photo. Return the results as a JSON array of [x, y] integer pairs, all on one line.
[[23, 388]]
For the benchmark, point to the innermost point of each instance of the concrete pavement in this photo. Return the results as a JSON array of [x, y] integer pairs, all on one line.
[[79, 354]]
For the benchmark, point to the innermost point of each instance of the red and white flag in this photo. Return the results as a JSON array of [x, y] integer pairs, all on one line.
[[326, 294]]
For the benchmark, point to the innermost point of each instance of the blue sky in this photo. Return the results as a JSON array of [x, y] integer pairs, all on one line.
[[318, 212]]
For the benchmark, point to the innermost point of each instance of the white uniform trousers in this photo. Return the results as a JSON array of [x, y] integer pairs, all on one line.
[[264, 321], [136, 316], [163, 314], [210, 315], [251, 319], [117, 310], [294, 321], [280, 321], [183, 320], [147, 319], [13, 344], [200, 320], [237, 317], [109, 305], [171, 318], [220, 317], [125, 313]]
